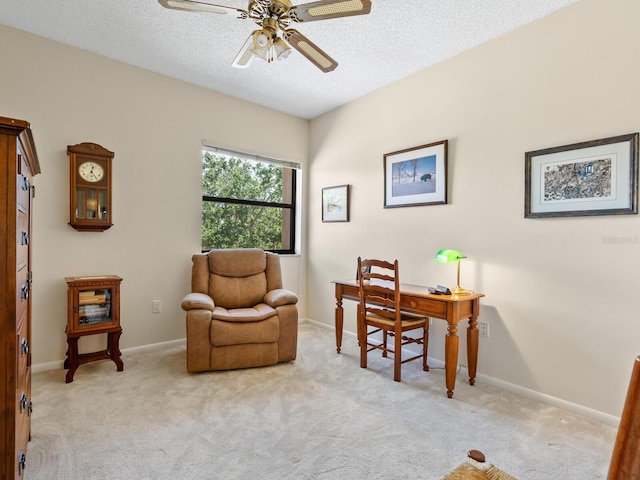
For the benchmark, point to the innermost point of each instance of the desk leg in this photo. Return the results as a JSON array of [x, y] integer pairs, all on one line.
[[451, 357], [472, 348], [339, 318]]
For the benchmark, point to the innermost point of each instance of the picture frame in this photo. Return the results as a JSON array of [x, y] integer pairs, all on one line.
[[365, 270], [335, 203], [416, 176], [598, 177]]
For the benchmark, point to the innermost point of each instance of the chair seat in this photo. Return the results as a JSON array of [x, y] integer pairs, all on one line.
[[261, 311], [467, 471], [408, 320], [477, 469]]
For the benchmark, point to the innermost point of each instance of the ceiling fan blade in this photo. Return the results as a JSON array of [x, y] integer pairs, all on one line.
[[310, 50], [324, 9], [193, 6], [245, 55]]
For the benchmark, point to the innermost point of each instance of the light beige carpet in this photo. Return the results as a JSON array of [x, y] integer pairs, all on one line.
[[320, 417]]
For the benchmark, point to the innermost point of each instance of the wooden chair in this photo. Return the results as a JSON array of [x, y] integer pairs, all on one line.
[[625, 460], [379, 309]]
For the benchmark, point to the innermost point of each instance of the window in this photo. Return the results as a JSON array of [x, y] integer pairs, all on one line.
[[248, 201]]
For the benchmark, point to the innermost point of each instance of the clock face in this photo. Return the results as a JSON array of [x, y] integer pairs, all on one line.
[[91, 171]]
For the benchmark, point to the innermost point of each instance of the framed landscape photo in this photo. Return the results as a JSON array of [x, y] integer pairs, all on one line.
[[416, 176], [335, 204], [599, 177]]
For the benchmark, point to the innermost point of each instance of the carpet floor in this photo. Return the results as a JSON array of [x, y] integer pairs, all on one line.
[[321, 417]]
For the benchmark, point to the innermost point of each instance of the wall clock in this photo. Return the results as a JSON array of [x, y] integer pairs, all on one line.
[[90, 187]]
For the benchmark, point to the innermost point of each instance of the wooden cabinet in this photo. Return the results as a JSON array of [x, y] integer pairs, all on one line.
[[93, 308], [18, 164]]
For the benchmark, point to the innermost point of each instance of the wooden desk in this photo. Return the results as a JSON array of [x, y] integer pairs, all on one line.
[[450, 308]]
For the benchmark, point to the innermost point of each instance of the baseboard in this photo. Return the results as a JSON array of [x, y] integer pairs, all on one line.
[[550, 400], [324, 325], [42, 367], [517, 389]]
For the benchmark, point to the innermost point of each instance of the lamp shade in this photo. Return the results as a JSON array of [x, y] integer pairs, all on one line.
[[448, 256], [453, 256]]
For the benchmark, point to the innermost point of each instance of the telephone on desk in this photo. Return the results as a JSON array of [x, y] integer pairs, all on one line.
[[440, 290]]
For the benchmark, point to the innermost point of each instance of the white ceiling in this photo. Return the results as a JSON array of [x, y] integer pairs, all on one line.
[[398, 38]]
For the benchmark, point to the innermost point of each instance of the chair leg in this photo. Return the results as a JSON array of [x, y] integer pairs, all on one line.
[[397, 356], [362, 333], [384, 343], [425, 347]]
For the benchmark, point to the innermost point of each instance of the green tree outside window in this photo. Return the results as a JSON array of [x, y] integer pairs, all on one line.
[[247, 203]]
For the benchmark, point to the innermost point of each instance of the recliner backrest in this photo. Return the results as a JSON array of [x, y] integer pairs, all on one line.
[[236, 278]]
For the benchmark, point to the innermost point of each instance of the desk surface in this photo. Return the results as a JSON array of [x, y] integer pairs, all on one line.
[[418, 291]]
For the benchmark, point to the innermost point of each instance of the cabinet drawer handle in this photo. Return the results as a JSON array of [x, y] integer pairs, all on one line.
[[22, 463], [25, 292], [23, 402], [25, 346], [24, 238]]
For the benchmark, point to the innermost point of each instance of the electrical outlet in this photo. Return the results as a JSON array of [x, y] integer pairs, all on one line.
[[484, 329], [156, 306]]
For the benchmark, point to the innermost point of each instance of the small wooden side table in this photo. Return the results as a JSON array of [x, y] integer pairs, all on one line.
[[93, 308]]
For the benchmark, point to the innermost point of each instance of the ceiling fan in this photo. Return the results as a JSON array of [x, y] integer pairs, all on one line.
[[274, 39]]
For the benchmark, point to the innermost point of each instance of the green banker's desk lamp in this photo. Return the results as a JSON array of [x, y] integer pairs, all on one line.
[[450, 256]]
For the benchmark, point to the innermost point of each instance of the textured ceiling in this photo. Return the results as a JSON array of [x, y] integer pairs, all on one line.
[[398, 38]]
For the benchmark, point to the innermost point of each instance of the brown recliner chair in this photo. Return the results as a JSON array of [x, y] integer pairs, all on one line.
[[238, 314]]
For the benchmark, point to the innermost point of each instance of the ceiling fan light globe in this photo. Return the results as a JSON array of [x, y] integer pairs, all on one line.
[[284, 54], [261, 52], [281, 49], [262, 40]]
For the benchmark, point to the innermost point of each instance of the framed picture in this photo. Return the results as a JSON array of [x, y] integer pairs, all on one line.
[[599, 177], [416, 176], [335, 204], [365, 270]]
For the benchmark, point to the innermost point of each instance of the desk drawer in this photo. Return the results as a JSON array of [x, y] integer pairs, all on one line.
[[425, 306]]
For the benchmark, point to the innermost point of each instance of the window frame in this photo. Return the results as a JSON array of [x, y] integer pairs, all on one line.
[[291, 206]]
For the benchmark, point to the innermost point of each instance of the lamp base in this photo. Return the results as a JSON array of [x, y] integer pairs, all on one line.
[[461, 291]]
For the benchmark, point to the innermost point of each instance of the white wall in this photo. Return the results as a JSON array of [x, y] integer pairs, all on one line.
[[155, 126], [560, 296]]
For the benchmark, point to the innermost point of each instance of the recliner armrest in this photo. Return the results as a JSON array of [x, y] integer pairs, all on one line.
[[198, 301], [280, 296]]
